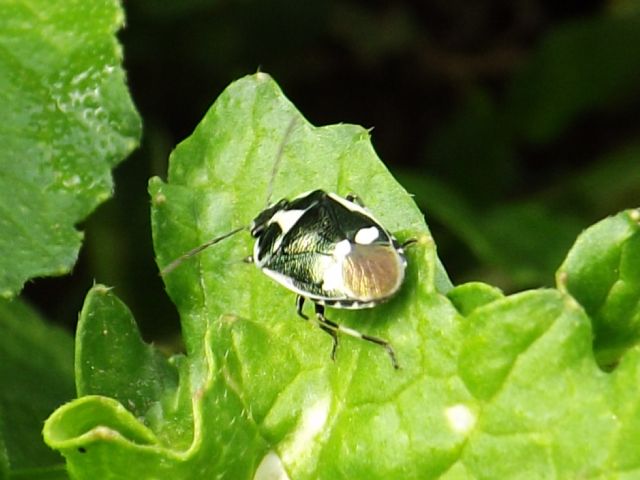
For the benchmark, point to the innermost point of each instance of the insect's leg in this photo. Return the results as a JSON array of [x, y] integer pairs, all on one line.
[[352, 197], [329, 326], [402, 246], [408, 243], [299, 304], [384, 344]]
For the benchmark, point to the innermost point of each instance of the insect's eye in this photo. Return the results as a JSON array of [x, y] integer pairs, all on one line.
[[257, 226], [260, 222]]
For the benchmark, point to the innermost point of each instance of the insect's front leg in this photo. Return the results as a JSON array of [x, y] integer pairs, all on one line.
[[352, 197], [299, 304], [408, 243]]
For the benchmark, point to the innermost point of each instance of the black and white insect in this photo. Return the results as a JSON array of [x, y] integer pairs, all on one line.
[[327, 249]]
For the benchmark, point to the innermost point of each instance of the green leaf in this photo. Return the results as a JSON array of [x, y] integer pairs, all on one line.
[[489, 386], [469, 296], [36, 376], [67, 119], [75, 429], [543, 405], [602, 272], [102, 439], [112, 359]]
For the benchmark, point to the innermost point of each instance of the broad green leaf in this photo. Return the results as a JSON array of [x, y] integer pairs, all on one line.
[[525, 396], [544, 409], [36, 376], [102, 439], [67, 119], [602, 272], [489, 386], [112, 359]]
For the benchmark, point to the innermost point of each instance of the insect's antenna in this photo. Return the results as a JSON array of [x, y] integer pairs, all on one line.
[[276, 164], [173, 265]]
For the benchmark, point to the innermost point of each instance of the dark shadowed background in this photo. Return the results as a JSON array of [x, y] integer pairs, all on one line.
[[514, 123]]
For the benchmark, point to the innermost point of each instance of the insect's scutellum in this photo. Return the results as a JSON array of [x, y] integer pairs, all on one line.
[[325, 248]]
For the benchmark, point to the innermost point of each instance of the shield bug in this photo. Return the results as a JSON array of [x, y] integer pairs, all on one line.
[[327, 249]]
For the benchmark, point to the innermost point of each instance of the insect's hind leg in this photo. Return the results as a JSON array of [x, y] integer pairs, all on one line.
[[331, 331], [332, 328], [328, 326]]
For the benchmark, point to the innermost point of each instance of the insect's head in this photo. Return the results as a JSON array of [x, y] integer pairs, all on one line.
[[260, 222]]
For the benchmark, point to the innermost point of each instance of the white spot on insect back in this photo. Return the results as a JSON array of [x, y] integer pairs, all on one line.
[[366, 236], [271, 468], [286, 219], [332, 279], [299, 444], [342, 249], [461, 419], [332, 276]]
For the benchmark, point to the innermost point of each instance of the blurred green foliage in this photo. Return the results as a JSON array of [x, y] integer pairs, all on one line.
[[513, 123], [36, 374]]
